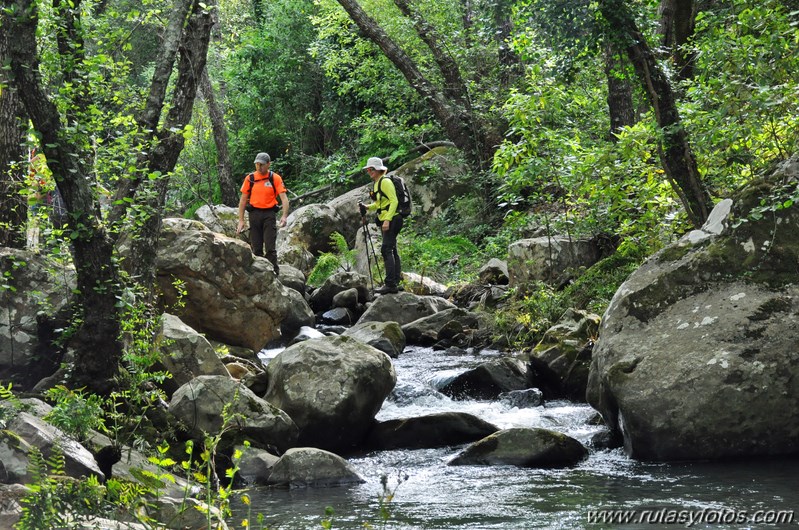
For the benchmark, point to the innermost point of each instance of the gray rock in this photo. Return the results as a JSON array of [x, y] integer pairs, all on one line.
[[29, 287], [348, 298], [488, 380], [30, 431], [256, 465], [430, 431], [309, 228], [548, 259], [495, 272], [431, 328], [292, 277], [523, 399], [561, 361], [404, 308], [231, 295], [540, 448], [185, 353], [385, 336], [305, 467], [199, 405], [332, 388], [339, 315], [697, 349], [222, 220], [322, 298]]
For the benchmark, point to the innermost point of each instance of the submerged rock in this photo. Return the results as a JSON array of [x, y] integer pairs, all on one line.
[[523, 448]]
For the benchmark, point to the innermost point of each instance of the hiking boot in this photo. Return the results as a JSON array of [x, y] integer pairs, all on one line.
[[386, 289]]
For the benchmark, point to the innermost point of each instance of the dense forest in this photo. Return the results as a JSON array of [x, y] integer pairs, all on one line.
[[621, 118], [627, 119]]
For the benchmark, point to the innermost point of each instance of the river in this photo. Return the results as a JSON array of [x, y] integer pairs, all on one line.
[[601, 492]]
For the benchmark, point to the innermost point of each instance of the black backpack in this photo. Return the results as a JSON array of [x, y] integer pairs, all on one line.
[[403, 194]]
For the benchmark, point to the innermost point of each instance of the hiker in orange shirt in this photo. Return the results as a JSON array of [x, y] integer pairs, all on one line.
[[259, 196]]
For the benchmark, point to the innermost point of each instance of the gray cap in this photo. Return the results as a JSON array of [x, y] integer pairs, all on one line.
[[262, 158]]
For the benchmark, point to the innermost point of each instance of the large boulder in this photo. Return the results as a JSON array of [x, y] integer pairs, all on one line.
[[304, 467], [561, 360], [332, 388], [230, 295], [199, 405], [385, 336], [697, 356], [404, 308], [222, 220], [307, 228], [30, 431], [185, 354], [346, 207], [430, 431], [31, 285], [540, 448], [550, 259]]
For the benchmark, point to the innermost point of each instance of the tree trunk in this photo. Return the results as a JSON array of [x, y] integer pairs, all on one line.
[[228, 188], [620, 93], [162, 160], [677, 23], [675, 151], [96, 340], [150, 116], [459, 127], [13, 205]]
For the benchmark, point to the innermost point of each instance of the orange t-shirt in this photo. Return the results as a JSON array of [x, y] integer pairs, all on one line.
[[263, 194]]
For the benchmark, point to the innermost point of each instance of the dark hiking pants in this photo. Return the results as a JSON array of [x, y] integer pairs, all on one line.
[[263, 234], [389, 252]]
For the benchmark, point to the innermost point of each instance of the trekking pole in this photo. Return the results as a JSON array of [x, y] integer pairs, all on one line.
[[377, 261], [368, 260], [368, 243]]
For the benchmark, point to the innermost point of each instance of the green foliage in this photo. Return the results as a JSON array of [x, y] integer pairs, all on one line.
[[75, 412], [385, 498], [55, 500], [10, 405], [445, 259], [741, 106], [525, 319], [328, 263]]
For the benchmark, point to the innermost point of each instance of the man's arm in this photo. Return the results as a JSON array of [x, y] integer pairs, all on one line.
[[242, 205], [284, 201]]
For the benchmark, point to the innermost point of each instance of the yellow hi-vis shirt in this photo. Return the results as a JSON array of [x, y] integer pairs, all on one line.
[[386, 201]]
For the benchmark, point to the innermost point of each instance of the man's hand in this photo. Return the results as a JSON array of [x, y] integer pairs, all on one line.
[[386, 225], [282, 222], [362, 208], [240, 227]]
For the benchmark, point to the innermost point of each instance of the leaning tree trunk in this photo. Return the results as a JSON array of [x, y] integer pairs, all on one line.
[[459, 127], [162, 160], [228, 188], [675, 151], [150, 115], [13, 205], [96, 340]]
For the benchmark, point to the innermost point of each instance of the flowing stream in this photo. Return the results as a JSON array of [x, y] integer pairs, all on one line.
[[429, 494]]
